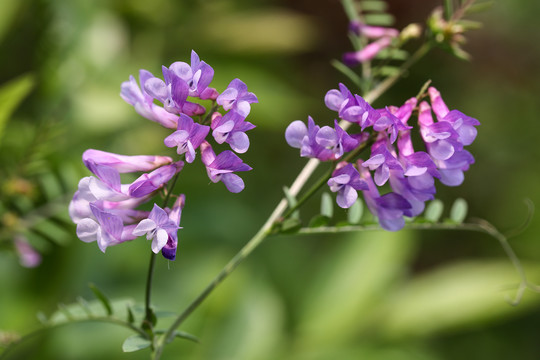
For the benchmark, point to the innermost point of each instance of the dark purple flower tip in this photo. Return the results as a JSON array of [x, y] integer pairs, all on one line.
[[351, 59]]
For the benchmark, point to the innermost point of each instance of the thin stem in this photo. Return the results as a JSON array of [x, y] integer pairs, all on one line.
[[147, 323]]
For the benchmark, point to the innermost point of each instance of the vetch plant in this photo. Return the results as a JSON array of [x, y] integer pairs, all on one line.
[[391, 158]]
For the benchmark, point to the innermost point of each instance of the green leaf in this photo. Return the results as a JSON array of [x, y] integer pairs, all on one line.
[[379, 19], [478, 7], [292, 202], [187, 336], [455, 296], [290, 226], [102, 298], [11, 95], [458, 212], [318, 221], [350, 9], [348, 72], [180, 334], [434, 211], [354, 215], [394, 54], [327, 205], [386, 71], [42, 318], [448, 9], [131, 317], [135, 343], [374, 5]]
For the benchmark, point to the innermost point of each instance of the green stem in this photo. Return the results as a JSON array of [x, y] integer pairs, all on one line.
[[147, 323]]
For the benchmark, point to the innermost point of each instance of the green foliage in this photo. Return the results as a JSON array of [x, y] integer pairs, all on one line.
[[135, 343], [434, 211], [102, 298], [354, 215], [11, 95], [458, 212]]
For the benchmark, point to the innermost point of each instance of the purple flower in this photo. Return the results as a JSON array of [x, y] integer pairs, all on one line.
[[442, 141], [336, 140], [338, 100], [382, 160], [372, 32], [172, 93], [107, 229], [390, 123], [360, 112], [106, 186], [367, 53], [452, 169], [389, 208], [28, 256], [157, 228], [123, 163], [169, 250], [197, 76], [305, 138], [222, 167], [188, 137], [346, 181], [237, 97], [148, 183], [143, 102], [231, 128]]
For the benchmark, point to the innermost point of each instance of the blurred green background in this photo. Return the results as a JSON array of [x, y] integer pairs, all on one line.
[[408, 295]]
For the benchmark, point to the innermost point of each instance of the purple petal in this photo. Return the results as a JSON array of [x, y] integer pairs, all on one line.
[[233, 182], [346, 197], [295, 133]]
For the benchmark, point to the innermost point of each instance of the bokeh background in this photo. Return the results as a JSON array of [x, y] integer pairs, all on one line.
[[409, 295]]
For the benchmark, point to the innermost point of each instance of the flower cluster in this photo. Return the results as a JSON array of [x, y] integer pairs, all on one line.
[[410, 174], [107, 211]]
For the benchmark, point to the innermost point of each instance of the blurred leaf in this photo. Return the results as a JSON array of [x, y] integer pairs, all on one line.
[[7, 15], [470, 25], [89, 310], [395, 54], [379, 19], [319, 220], [354, 214], [434, 210], [454, 296], [102, 298], [350, 9], [259, 31], [182, 335], [348, 72], [478, 7], [327, 205], [349, 285], [386, 71], [374, 5], [290, 226], [11, 95], [292, 203], [135, 343], [458, 212]]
